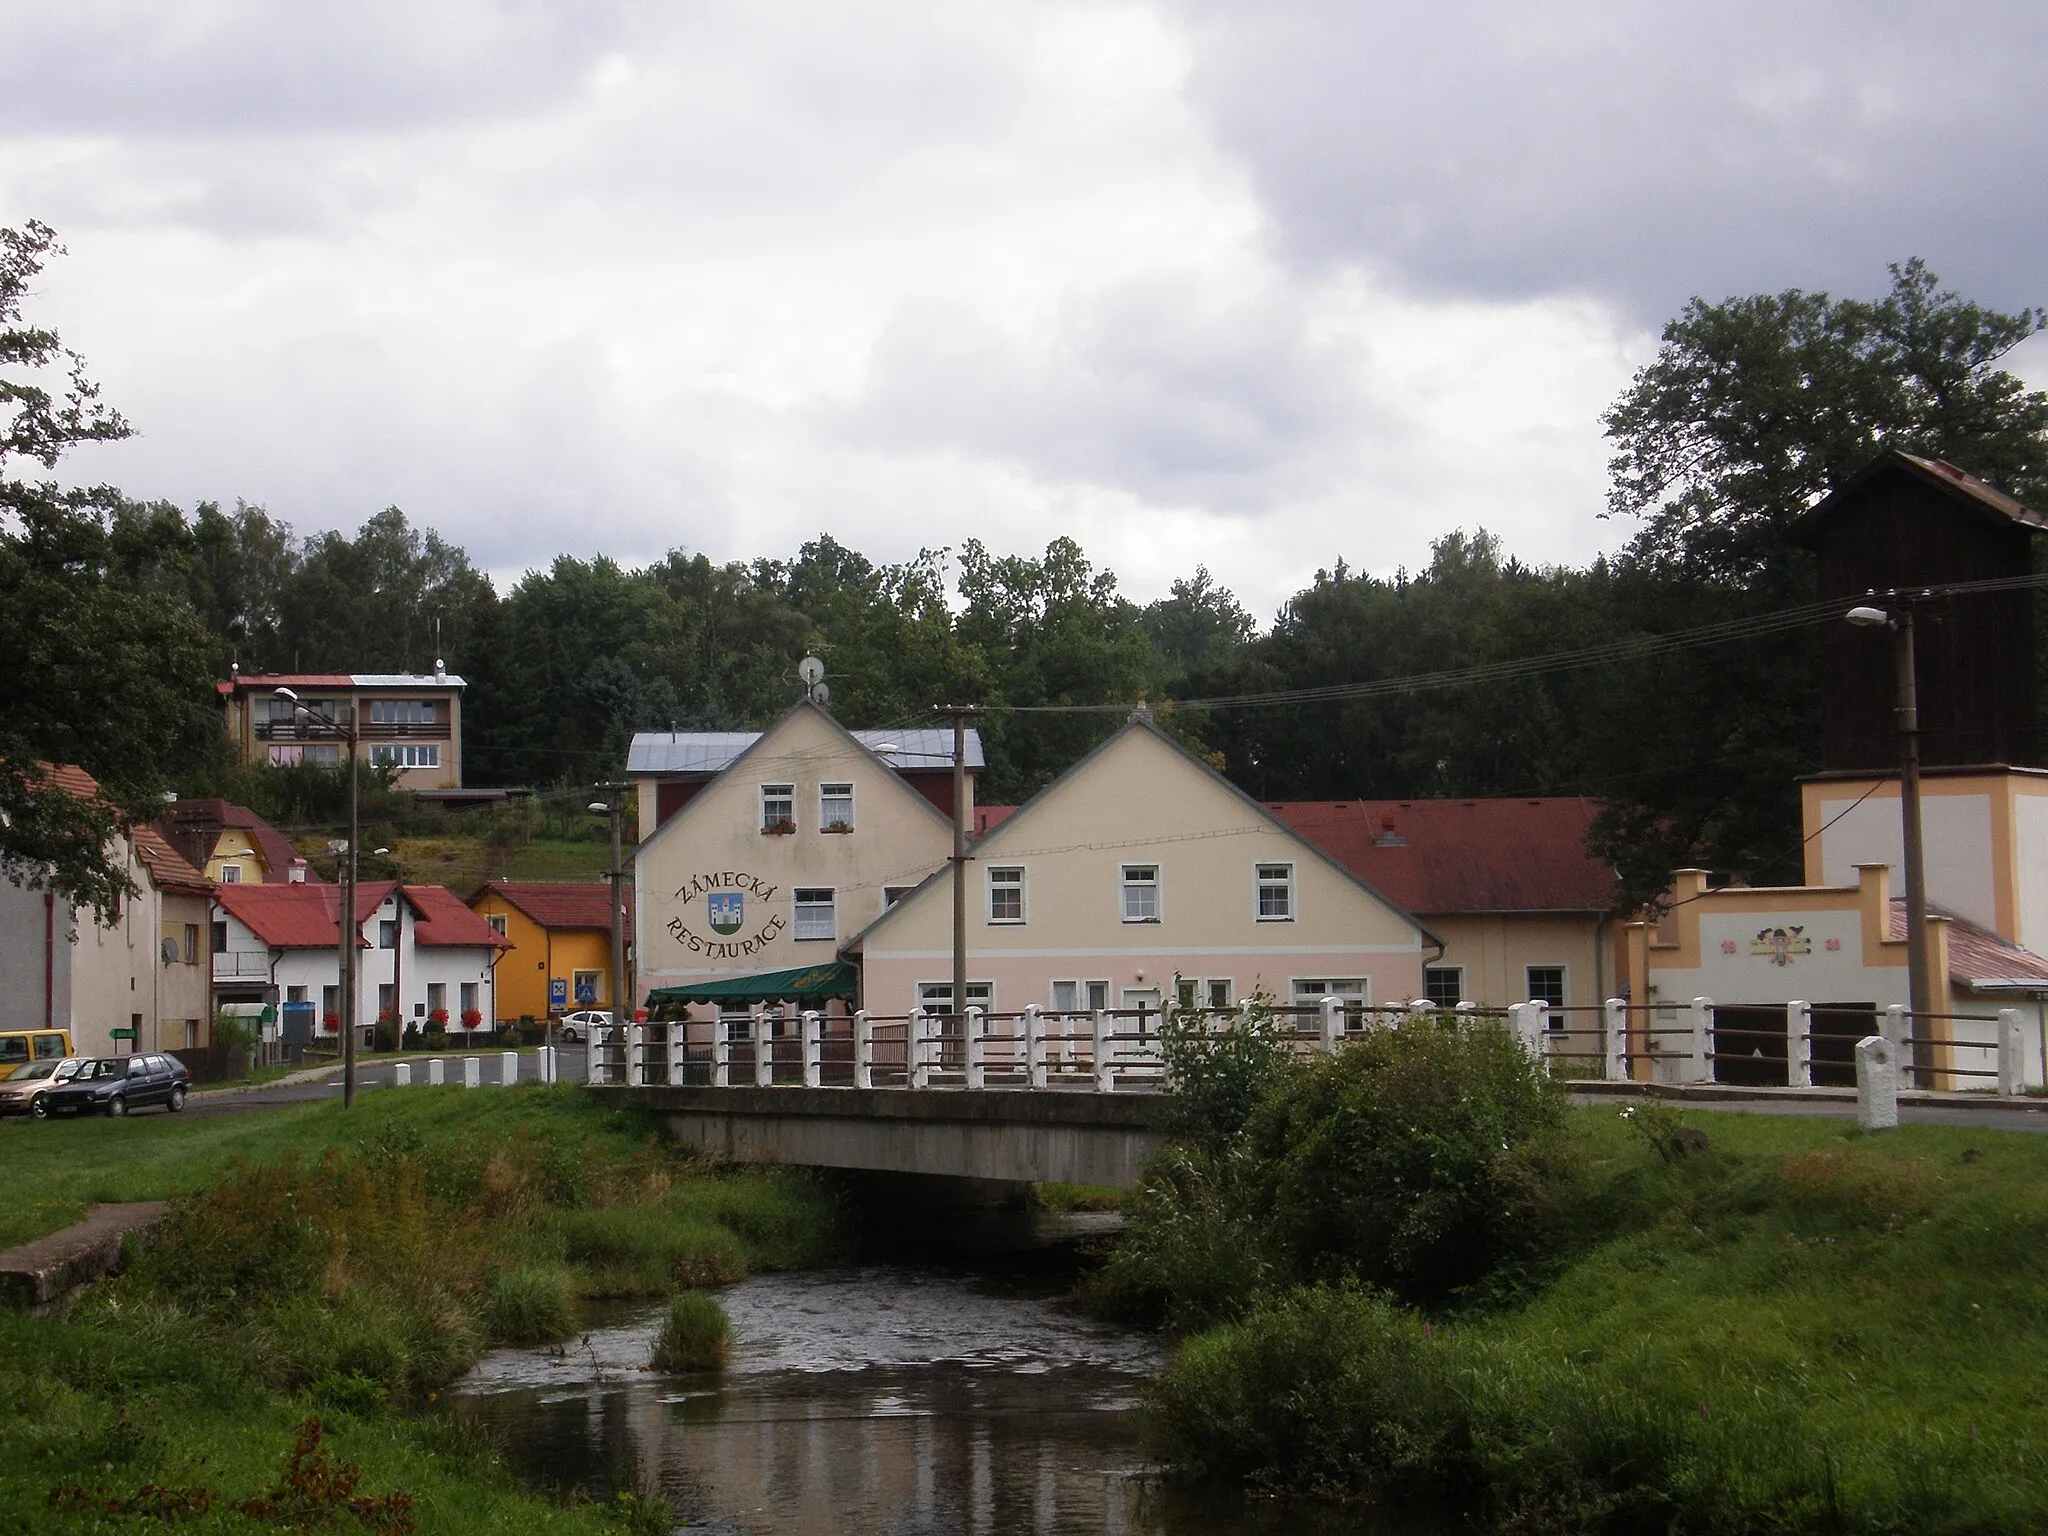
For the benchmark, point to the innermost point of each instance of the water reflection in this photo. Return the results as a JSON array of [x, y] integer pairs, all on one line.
[[865, 1401]]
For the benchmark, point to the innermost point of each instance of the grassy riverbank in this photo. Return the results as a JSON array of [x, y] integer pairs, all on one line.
[[1794, 1327], [344, 1266]]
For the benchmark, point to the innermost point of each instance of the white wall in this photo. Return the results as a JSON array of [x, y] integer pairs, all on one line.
[[1956, 831], [2030, 853]]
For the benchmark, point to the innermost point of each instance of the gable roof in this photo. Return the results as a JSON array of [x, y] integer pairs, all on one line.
[[1977, 958], [286, 916], [1144, 722], [198, 824], [1442, 857], [852, 738], [563, 903], [1963, 487], [444, 922], [919, 749], [165, 866]]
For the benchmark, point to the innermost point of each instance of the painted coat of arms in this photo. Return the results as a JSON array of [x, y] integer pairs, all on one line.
[[726, 910], [1779, 945]]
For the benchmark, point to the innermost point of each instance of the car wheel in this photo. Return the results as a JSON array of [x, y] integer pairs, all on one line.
[[177, 1098], [117, 1105], [37, 1109]]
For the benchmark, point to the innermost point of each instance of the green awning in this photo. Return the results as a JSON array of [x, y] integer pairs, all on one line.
[[805, 984]]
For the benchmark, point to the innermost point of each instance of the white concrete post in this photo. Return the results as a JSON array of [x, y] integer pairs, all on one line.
[[721, 1054], [1526, 1020], [437, 1072], [1799, 1042], [1104, 1049], [546, 1055], [1898, 1029], [1332, 1022], [2012, 1063], [1700, 1018], [1614, 1040], [1877, 1084], [1465, 1007], [764, 1049], [401, 1075], [472, 1072], [914, 1045], [975, 1024], [1034, 1044], [678, 1052], [636, 1050], [814, 1050], [1420, 1006], [508, 1068], [863, 1050]]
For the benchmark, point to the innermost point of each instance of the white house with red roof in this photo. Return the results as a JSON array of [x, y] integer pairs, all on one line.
[[138, 984], [422, 953]]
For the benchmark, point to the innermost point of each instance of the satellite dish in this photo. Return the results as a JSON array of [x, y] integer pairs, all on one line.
[[821, 693], [169, 950], [811, 670]]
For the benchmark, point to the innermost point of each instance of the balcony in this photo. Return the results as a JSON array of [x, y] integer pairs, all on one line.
[[436, 730], [230, 964], [311, 730]]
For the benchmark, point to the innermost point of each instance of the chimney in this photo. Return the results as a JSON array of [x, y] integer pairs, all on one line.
[[1388, 837], [297, 874]]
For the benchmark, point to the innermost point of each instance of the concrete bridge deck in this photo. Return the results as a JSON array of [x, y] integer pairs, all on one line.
[[1013, 1135]]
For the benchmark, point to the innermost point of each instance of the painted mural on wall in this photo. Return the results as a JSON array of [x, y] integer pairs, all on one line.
[[727, 911], [1780, 945]]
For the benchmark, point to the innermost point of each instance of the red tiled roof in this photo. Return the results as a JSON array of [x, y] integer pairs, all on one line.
[[166, 867], [197, 822], [1976, 955], [287, 916], [1441, 857], [269, 680], [443, 921], [563, 903], [70, 778]]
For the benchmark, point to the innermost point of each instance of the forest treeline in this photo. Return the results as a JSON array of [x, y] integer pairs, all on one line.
[[1752, 408]]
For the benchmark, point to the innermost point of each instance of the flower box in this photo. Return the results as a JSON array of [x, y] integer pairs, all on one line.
[[837, 826], [777, 828], [330, 1023]]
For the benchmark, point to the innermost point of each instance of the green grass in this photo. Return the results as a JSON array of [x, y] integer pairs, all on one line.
[[695, 1336], [348, 1264], [1801, 1327], [462, 864]]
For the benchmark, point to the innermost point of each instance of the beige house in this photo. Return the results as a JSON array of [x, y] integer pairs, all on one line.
[[141, 983], [408, 722], [786, 845], [1139, 873]]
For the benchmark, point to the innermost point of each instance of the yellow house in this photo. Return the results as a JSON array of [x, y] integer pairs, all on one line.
[[232, 845], [561, 938]]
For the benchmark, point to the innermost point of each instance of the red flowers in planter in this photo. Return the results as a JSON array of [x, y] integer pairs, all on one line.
[[471, 1017], [330, 1023], [439, 1018]]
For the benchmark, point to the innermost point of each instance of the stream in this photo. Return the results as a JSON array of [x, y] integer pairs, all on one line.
[[886, 1399]]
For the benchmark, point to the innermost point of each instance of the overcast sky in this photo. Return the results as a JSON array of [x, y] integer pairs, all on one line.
[[1251, 285]]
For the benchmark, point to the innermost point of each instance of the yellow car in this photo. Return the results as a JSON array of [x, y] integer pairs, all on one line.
[[21, 1093]]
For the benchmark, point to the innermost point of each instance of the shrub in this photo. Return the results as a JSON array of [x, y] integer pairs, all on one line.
[[529, 1306], [642, 1251], [1219, 1070], [695, 1336], [1416, 1158]]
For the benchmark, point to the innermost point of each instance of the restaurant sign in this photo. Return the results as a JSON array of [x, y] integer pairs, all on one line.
[[725, 912]]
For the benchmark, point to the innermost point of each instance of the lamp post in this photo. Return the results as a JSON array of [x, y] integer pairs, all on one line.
[[345, 921], [1906, 711], [615, 808]]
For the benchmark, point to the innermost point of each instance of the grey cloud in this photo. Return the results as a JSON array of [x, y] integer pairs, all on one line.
[[1155, 386], [1640, 153], [251, 66]]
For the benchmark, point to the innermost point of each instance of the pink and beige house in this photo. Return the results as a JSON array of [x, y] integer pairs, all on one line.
[[1139, 874]]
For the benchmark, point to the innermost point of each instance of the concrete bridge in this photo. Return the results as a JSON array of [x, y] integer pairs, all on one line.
[[1010, 1135]]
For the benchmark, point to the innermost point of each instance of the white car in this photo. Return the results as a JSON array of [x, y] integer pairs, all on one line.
[[577, 1026]]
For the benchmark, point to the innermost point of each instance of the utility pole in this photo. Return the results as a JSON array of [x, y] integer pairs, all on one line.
[[345, 920], [614, 804], [959, 713]]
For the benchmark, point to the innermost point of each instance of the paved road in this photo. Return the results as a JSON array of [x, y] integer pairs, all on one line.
[[373, 1072]]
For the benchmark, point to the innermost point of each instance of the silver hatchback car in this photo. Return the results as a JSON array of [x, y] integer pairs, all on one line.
[[577, 1026]]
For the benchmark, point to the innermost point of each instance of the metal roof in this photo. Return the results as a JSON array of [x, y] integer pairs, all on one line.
[[714, 751]]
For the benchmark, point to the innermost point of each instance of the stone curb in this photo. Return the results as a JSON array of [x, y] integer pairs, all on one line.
[[45, 1269]]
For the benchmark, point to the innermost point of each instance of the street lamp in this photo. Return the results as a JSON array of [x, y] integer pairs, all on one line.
[[615, 808], [345, 919], [1906, 711]]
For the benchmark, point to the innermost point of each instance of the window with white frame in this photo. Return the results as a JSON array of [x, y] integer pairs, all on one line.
[[1546, 984], [495, 921], [1066, 997], [835, 807], [1355, 990], [1222, 992], [231, 874], [1141, 893], [1188, 994], [1006, 893], [937, 996], [401, 712], [1275, 893], [1444, 985], [405, 756], [815, 916], [778, 807]]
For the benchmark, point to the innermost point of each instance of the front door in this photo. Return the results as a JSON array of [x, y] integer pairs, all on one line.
[[1146, 998]]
